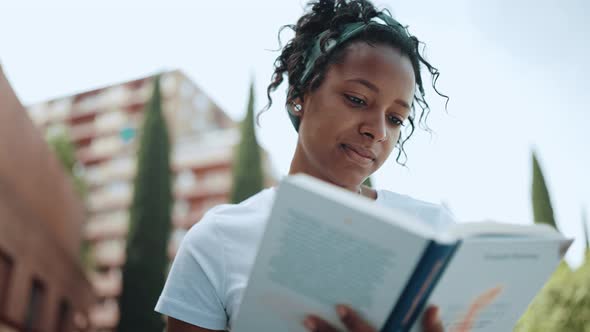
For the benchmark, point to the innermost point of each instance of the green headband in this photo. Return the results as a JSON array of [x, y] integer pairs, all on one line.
[[350, 30]]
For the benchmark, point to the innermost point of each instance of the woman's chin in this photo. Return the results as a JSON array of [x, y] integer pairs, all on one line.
[[350, 182]]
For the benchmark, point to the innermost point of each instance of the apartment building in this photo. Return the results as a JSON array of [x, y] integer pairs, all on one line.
[[104, 125]]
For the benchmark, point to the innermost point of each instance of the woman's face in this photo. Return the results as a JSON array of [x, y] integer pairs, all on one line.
[[351, 123]]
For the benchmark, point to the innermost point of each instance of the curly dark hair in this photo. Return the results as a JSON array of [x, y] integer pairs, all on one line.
[[332, 16]]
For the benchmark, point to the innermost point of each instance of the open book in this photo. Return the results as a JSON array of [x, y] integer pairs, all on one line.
[[325, 246]]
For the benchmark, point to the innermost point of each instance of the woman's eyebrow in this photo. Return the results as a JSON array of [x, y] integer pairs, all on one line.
[[402, 103], [364, 82]]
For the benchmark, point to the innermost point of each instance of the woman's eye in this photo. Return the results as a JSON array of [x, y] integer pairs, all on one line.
[[355, 100], [395, 120]]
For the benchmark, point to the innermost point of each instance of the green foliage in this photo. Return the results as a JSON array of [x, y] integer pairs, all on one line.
[[146, 263], [585, 226], [248, 177], [368, 183], [546, 310], [564, 302], [64, 149], [542, 210], [65, 152], [86, 255]]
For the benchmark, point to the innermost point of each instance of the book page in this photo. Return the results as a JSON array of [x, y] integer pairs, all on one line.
[[316, 253], [487, 228], [491, 280]]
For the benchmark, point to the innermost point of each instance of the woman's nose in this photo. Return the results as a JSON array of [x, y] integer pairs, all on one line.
[[375, 128]]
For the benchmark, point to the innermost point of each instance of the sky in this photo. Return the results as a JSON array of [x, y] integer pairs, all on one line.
[[515, 72]]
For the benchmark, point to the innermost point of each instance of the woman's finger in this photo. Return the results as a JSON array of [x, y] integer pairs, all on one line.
[[431, 321], [352, 320], [316, 324]]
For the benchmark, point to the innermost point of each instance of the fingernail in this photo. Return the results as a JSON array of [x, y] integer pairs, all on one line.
[[310, 324], [342, 311], [436, 313]]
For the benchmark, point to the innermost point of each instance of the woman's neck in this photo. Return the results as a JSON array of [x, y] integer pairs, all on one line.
[[300, 164], [360, 188]]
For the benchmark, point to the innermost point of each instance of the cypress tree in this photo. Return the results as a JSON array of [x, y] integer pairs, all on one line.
[[145, 266], [248, 177], [586, 235], [542, 210]]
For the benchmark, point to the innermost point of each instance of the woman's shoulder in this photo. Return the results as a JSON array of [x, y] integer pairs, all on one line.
[[255, 205], [228, 220], [436, 215]]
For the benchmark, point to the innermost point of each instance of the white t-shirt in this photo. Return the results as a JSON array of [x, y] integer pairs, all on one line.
[[210, 271]]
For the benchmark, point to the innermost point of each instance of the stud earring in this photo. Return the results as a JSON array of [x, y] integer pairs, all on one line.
[[297, 107]]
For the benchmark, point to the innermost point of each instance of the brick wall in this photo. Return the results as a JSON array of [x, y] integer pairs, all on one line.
[[41, 220]]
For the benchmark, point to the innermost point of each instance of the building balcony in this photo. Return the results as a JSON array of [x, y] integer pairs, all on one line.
[[117, 193], [107, 226], [109, 122], [109, 253], [94, 175], [124, 168], [203, 162], [82, 132], [105, 315], [108, 284], [89, 105], [110, 204], [88, 157], [203, 189], [189, 183], [204, 149], [101, 150], [88, 132], [119, 168], [78, 117], [115, 96], [134, 107], [110, 261]]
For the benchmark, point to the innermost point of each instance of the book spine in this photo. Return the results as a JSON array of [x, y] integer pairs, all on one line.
[[417, 291]]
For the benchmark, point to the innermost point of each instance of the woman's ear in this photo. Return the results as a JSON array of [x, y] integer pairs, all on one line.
[[295, 107]]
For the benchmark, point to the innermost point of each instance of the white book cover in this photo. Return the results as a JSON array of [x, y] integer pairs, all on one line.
[[325, 246]]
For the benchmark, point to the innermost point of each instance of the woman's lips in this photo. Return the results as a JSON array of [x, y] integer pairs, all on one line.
[[357, 154]]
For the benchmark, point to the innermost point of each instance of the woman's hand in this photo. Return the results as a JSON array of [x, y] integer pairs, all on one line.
[[354, 323]]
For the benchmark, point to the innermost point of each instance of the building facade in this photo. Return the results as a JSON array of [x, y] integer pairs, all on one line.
[[43, 286], [104, 125]]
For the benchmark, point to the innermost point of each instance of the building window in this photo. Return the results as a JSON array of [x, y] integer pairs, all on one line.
[[63, 317], [5, 273], [186, 181], [181, 208], [35, 307]]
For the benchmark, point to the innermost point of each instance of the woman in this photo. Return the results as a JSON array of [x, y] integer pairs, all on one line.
[[354, 83]]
